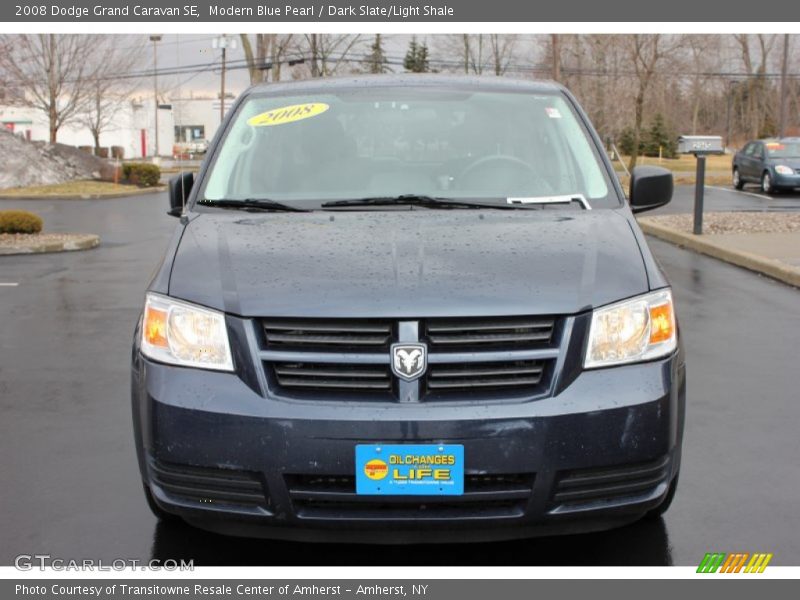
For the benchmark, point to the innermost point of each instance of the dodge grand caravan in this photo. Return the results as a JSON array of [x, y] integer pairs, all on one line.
[[408, 308]]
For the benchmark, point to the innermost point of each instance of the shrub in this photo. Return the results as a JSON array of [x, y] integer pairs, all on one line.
[[19, 221], [142, 174]]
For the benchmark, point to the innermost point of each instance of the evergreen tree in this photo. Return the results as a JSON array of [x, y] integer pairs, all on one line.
[[376, 61], [416, 60], [660, 137]]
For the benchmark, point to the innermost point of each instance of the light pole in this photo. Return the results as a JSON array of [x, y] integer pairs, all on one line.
[[223, 42], [155, 39]]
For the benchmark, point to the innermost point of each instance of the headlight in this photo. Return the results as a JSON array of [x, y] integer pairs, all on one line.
[[638, 329], [183, 334], [784, 170]]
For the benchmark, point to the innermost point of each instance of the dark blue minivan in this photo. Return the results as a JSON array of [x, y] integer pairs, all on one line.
[[408, 309]]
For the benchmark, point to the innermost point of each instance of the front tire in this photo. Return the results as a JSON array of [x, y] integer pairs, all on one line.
[[737, 179], [766, 183]]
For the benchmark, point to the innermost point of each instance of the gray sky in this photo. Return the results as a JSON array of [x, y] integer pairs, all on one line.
[[181, 50]]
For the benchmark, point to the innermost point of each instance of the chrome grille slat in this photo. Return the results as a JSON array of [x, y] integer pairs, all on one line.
[[485, 338], [504, 375], [440, 327], [486, 371], [339, 334], [481, 383], [323, 372], [309, 376], [513, 332], [290, 338], [334, 384]]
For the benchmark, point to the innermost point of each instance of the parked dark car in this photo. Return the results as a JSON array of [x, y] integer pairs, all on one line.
[[409, 308], [773, 164]]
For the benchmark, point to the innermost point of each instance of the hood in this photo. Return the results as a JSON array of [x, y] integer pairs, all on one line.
[[419, 263]]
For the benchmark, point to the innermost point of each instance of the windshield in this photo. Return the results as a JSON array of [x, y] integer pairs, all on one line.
[[783, 149], [385, 142]]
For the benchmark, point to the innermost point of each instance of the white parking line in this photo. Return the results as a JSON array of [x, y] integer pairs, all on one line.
[[8, 284], [725, 189]]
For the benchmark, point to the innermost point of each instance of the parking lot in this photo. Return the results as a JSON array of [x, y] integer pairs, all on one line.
[[71, 484]]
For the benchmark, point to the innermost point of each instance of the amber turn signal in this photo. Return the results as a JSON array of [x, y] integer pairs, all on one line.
[[662, 323]]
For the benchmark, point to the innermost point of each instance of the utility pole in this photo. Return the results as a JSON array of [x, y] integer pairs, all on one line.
[[155, 39], [784, 89], [728, 114], [556, 49], [223, 42]]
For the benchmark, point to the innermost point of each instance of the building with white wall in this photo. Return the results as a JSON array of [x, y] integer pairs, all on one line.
[[133, 128]]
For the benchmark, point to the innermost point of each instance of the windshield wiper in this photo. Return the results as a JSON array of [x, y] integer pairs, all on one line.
[[417, 200], [252, 204], [542, 200]]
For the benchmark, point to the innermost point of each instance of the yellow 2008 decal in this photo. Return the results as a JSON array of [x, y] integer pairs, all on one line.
[[288, 114]]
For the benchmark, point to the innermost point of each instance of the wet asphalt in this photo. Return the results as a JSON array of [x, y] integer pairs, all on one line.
[[69, 484]]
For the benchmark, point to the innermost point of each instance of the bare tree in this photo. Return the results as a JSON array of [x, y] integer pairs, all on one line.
[[646, 52], [327, 53], [755, 62], [50, 71], [270, 53], [464, 52], [109, 84], [502, 52]]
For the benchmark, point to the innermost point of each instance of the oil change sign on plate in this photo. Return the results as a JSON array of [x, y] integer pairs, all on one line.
[[406, 469], [288, 114]]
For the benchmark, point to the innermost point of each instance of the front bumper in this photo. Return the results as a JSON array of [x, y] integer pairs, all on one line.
[[786, 181], [599, 453]]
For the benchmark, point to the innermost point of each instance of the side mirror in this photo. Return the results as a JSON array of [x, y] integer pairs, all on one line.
[[179, 188], [651, 187]]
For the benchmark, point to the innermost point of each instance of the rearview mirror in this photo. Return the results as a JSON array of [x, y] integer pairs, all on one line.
[[179, 188], [651, 187]]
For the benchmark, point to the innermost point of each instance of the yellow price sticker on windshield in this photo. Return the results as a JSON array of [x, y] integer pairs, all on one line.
[[288, 114]]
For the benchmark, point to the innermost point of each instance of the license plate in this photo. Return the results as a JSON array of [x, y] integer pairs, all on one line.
[[410, 470]]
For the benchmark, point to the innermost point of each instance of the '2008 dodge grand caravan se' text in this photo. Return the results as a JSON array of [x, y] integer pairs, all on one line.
[[408, 308]]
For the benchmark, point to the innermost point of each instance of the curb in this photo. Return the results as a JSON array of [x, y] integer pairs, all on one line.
[[766, 266], [79, 242], [136, 192]]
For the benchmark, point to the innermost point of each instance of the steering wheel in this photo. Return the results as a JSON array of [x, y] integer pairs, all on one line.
[[516, 172]]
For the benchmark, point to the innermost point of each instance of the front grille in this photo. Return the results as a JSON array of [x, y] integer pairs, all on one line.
[[334, 497], [609, 483], [514, 332], [485, 376], [330, 334], [331, 376], [493, 359], [208, 485]]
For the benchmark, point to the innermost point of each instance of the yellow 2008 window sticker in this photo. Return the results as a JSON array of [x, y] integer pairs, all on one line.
[[288, 114]]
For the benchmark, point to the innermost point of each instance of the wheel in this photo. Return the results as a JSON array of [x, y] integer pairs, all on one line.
[[737, 179], [664, 506], [159, 512], [766, 183]]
